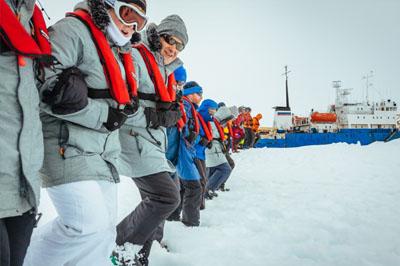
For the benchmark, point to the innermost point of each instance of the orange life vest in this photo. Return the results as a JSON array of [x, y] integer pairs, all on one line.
[[19, 40], [164, 93], [206, 127], [112, 72], [196, 120]]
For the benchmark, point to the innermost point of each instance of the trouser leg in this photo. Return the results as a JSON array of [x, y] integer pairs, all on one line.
[[160, 197], [176, 214], [19, 230], [191, 202], [212, 176], [225, 172], [84, 232], [4, 245], [201, 167], [252, 138], [217, 175]]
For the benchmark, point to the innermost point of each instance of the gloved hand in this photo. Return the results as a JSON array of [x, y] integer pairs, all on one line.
[[116, 118], [191, 137], [209, 145], [69, 94], [204, 142], [131, 109]]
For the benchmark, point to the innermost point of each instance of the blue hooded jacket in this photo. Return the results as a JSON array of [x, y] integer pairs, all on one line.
[[186, 166], [203, 111]]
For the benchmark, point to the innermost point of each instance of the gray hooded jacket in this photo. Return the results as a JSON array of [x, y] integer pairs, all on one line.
[[21, 141], [216, 156], [141, 154], [90, 151]]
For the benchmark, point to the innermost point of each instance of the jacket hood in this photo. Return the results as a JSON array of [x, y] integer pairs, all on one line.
[[203, 109], [224, 114], [259, 116], [151, 39], [98, 11]]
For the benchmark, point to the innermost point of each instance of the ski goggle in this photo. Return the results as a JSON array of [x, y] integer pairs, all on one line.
[[171, 41], [130, 15]]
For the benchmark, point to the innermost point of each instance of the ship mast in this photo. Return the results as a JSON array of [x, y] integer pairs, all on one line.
[[368, 84], [287, 86]]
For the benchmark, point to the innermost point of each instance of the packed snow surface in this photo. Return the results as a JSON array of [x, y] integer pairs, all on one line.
[[319, 205]]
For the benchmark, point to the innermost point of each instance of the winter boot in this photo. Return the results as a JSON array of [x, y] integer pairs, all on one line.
[[144, 253], [208, 195], [126, 255], [213, 194], [223, 188], [164, 245]]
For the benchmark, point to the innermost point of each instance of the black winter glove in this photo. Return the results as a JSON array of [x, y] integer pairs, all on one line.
[[191, 137], [116, 118], [133, 107], [70, 93], [204, 142], [209, 145]]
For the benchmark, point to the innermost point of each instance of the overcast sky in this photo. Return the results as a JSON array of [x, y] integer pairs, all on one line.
[[237, 49]]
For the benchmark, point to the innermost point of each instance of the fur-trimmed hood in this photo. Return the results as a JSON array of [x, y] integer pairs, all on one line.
[[98, 11], [151, 39]]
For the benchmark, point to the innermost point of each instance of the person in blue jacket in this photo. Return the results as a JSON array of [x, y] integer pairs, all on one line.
[[173, 132], [187, 171], [206, 110]]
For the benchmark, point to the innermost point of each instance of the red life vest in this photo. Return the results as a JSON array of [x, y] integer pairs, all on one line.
[[220, 129], [181, 122], [164, 93], [206, 127], [19, 40], [196, 120], [112, 72]]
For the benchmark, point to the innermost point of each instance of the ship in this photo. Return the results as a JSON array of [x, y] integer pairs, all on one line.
[[349, 122]]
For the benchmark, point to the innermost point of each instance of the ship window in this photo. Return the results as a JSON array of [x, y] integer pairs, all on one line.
[[363, 117], [358, 117]]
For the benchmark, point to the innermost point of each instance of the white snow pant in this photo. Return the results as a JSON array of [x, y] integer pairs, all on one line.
[[84, 233]]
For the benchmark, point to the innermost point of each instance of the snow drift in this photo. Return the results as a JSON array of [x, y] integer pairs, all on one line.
[[319, 205]]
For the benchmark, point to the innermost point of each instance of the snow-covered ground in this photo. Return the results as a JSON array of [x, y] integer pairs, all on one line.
[[319, 205]]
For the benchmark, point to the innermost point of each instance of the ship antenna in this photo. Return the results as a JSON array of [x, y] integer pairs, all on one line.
[[287, 86], [368, 84]]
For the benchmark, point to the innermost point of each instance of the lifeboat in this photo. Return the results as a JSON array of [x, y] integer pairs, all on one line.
[[323, 117]]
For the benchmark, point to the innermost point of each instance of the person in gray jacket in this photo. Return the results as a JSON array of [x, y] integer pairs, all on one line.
[[218, 168], [80, 123], [21, 141], [144, 140]]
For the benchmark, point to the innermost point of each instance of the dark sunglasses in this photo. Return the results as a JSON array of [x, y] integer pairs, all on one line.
[[171, 41]]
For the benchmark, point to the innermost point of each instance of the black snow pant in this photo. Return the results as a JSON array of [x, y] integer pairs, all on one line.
[[201, 167], [252, 139], [160, 197], [15, 236], [190, 202], [247, 137]]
